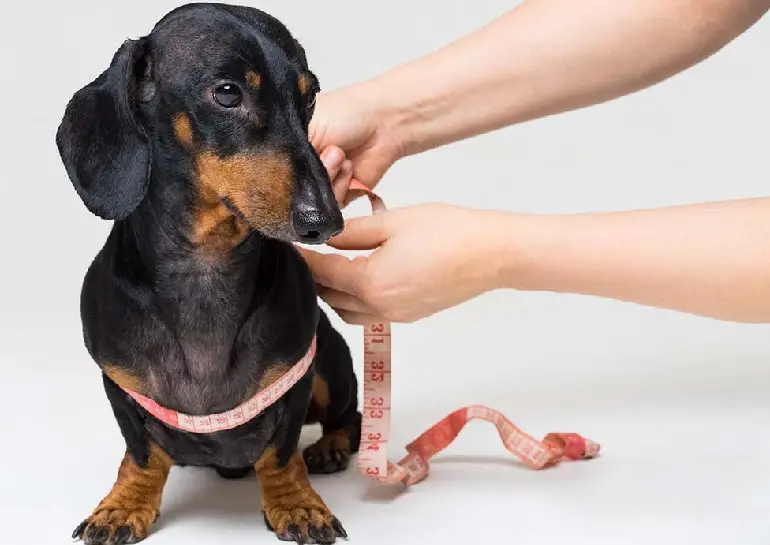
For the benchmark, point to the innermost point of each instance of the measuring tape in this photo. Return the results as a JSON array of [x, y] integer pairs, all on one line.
[[375, 424]]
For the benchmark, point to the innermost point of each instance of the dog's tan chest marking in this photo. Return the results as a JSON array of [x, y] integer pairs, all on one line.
[[272, 374], [123, 378]]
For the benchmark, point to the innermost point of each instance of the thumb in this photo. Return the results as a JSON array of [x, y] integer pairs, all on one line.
[[364, 233]]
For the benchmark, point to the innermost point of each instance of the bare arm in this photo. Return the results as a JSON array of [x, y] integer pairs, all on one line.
[[549, 56], [709, 259]]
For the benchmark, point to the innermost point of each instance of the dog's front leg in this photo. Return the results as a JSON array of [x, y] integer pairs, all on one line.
[[292, 508], [127, 512]]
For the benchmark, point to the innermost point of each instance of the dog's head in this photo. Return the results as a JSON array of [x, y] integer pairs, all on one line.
[[222, 91]]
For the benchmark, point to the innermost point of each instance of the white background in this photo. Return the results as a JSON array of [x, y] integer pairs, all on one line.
[[678, 403]]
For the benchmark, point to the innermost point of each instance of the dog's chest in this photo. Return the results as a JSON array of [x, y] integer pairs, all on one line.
[[204, 374], [207, 366], [205, 335]]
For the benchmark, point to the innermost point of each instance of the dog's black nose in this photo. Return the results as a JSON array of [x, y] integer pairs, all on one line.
[[316, 225]]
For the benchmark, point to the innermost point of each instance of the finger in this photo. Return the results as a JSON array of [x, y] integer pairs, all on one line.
[[364, 233], [332, 158], [340, 300], [358, 318], [334, 271], [341, 183]]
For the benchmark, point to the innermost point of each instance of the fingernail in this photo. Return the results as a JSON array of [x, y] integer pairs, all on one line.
[[332, 157]]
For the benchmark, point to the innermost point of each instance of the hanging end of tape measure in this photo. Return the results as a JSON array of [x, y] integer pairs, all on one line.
[[415, 468], [573, 446], [592, 449]]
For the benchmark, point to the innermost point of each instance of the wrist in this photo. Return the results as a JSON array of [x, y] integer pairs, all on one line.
[[407, 109], [522, 251], [375, 103]]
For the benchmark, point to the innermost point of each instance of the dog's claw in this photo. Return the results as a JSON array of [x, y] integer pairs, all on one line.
[[96, 535], [267, 522], [293, 534], [122, 536], [114, 527], [78, 533], [337, 525], [325, 534], [322, 535]]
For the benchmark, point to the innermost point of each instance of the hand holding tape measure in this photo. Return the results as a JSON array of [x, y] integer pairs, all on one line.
[[373, 459]]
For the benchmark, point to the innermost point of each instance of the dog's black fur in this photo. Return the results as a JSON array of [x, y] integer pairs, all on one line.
[[198, 324]]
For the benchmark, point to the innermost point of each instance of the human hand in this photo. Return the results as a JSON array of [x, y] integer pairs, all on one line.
[[354, 139], [427, 258]]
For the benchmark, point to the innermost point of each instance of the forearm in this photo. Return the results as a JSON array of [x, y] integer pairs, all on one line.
[[549, 56], [707, 259]]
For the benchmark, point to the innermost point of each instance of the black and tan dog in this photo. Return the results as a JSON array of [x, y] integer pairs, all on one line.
[[194, 141]]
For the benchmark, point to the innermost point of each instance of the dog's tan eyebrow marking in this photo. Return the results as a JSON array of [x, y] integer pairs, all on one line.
[[304, 82], [183, 129], [253, 79]]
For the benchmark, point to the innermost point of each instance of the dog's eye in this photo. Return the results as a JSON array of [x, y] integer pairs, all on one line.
[[310, 104], [228, 95]]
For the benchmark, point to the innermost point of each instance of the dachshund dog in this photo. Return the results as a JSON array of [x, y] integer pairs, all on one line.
[[199, 309]]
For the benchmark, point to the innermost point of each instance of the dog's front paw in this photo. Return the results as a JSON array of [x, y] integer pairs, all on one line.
[[127, 512], [292, 509], [116, 526], [310, 524]]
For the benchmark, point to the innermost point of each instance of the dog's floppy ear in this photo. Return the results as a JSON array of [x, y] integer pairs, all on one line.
[[103, 146]]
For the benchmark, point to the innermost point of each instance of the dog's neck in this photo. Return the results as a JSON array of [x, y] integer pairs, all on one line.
[[181, 266]]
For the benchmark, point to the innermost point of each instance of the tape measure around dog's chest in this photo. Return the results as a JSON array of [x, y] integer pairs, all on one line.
[[376, 410]]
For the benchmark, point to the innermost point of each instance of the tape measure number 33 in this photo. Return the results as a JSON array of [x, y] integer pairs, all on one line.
[[375, 426]]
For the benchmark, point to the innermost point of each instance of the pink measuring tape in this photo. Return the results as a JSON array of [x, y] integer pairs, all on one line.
[[375, 426]]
